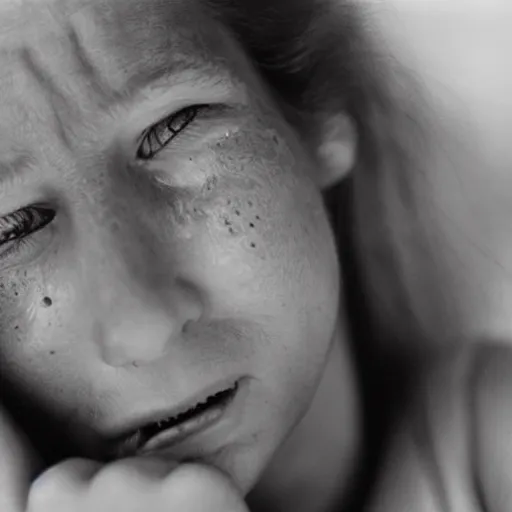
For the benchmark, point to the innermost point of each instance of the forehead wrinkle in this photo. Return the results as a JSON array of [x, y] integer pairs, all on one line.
[[134, 40], [91, 71], [102, 56], [51, 91], [84, 86], [107, 41]]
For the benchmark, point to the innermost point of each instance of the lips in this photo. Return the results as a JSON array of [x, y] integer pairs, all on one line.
[[214, 400], [175, 427]]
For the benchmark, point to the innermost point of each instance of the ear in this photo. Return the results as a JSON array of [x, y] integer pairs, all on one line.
[[336, 149]]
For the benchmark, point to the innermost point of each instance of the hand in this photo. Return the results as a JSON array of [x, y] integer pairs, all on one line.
[[131, 485]]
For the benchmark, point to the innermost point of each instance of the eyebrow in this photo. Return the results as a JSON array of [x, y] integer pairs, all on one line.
[[140, 89]]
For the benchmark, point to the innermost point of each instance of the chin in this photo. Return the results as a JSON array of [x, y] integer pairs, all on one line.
[[243, 462]]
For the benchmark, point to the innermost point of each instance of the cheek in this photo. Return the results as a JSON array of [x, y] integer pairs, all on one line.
[[240, 219], [29, 313], [256, 232], [253, 193]]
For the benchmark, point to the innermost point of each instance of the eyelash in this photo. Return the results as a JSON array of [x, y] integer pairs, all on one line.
[[158, 136], [17, 227]]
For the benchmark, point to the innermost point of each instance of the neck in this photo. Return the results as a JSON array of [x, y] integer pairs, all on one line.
[[312, 470]]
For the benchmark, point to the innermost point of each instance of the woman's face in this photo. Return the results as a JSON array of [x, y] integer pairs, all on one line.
[[168, 237]]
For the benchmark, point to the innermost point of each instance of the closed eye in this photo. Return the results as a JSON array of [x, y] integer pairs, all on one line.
[[24, 222], [158, 136], [22, 233]]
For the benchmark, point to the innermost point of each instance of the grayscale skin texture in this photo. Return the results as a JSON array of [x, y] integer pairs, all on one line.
[[157, 278]]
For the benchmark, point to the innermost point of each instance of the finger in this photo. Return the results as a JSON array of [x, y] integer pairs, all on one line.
[[61, 486], [200, 488], [18, 465], [132, 483], [131, 474]]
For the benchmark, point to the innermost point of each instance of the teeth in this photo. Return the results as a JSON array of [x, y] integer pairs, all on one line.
[[190, 412]]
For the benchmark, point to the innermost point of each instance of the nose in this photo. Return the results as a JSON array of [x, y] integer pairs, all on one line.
[[135, 329], [140, 307]]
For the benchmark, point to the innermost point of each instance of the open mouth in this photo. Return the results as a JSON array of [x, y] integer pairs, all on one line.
[[220, 399], [174, 429]]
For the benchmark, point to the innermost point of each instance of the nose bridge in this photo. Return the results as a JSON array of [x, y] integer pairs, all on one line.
[[140, 306]]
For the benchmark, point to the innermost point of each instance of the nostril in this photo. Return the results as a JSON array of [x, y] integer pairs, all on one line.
[[188, 326]]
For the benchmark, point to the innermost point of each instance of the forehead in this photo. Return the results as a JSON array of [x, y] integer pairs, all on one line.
[[116, 40], [65, 65]]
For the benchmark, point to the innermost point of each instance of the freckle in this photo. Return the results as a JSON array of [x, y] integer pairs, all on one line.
[[229, 201], [47, 302], [16, 294], [227, 222], [253, 245], [250, 203], [257, 217], [231, 230], [237, 212], [16, 327], [251, 224], [210, 183], [52, 352]]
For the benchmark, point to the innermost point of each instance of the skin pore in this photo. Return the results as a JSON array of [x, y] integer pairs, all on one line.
[[140, 281]]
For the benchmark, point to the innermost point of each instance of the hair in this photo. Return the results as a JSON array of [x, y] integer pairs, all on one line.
[[325, 57], [322, 58]]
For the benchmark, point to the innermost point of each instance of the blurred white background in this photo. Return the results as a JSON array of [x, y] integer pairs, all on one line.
[[461, 51]]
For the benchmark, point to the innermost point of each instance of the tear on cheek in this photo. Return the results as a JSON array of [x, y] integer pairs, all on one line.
[[189, 207]]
